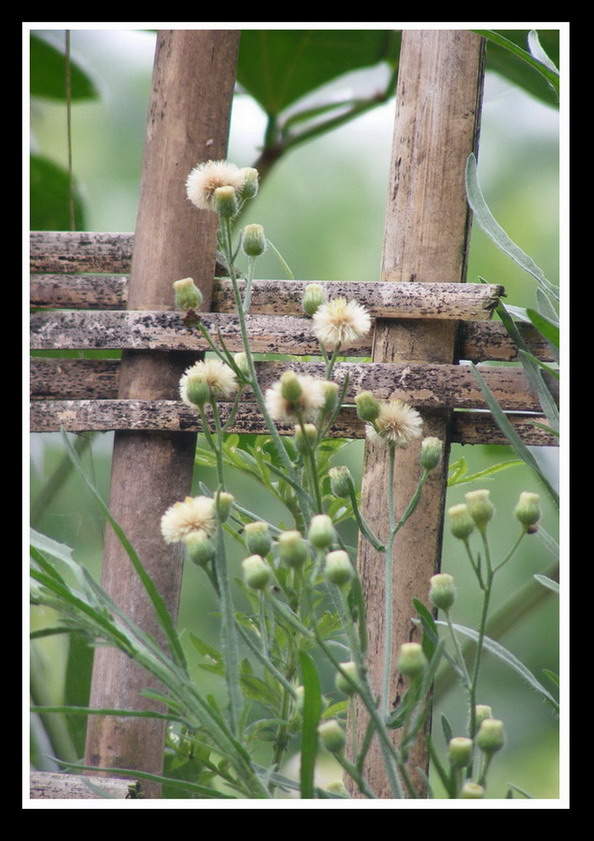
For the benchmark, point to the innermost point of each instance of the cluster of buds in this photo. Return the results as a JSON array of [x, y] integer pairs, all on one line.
[[478, 511]]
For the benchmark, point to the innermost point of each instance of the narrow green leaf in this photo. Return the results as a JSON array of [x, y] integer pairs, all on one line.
[[511, 50], [544, 325], [446, 729], [495, 232], [552, 676], [512, 436], [548, 583], [312, 711], [538, 52], [483, 474], [507, 657]]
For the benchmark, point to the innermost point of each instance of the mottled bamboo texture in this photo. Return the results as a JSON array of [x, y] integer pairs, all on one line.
[[426, 237], [188, 122]]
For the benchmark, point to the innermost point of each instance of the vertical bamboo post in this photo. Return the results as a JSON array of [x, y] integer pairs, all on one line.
[[188, 122], [426, 235]]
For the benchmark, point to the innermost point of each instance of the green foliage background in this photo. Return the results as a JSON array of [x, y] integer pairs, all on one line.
[[322, 205]]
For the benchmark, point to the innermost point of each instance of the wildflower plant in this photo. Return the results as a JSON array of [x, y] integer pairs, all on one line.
[[305, 613]]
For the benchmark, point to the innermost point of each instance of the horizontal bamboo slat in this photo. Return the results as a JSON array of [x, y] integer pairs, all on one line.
[[171, 415]]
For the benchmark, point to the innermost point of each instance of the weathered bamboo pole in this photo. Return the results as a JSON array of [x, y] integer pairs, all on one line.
[[426, 236], [188, 122]]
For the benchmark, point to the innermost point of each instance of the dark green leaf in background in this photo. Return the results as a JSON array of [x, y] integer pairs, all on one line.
[[516, 69], [49, 202], [278, 67], [48, 72]]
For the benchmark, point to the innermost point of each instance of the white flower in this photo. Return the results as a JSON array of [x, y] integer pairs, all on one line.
[[218, 377], [340, 322], [205, 178], [306, 405], [397, 423], [195, 517]]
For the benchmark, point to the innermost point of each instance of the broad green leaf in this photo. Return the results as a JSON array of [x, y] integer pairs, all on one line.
[[495, 232], [49, 192], [507, 54], [48, 72], [312, 711], [507, 657], [278, 67]]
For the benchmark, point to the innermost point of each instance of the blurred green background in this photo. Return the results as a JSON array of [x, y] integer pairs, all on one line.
[[323, 208]]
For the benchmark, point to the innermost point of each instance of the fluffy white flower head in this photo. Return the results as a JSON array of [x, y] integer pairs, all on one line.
[[397, 423], [340, 322], [205, 178], [219, 378], [307, 405], [195, 516]]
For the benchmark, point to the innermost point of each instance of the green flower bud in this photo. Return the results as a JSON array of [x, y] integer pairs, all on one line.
[[341, 481], [412, 660], [330, 390], [528, 510], [313, 298], [224, 502], [305, 436], [292, 549], [461, 523], [442, 592], [199, 549], [321, 531], [187, 294], [339, 569], [256, 572], [240, 360], [481, 712], [250, 183], [460, 751], [290, 387], [490, 737], [332, 736], [341, 682], [254, 241], [198, 390], [480, 508], [257, 538], [472, 791], [225, 201], [368, 406], [431, 453]]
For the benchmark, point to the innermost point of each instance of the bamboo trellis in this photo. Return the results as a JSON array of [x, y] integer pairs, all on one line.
[[113, 291]]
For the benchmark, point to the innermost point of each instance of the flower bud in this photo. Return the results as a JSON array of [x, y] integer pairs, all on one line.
[[442, 592], [257, 538], [249, 190], [256, 572], [305, 437], [300, 693], [339, 569], [290, 387], [490, 737], [321, 532], [461, 523], [187, 294], [224, 502], [341, 682], [198, 390], [225, 202], [368, 406], [313, 298], [412, 661], [472, 791], [480, 507], [341, 481], [254, 241], [460, 751], [292, 549], [431, 453], [481, 712], [240, 360], [332, 736], [199, 549], [330, 390], [528, 509]]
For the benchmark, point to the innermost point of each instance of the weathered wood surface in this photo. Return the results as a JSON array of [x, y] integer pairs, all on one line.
[[50, 786], [145, 330], [468, 427], [188, 122], [427, 223], [424, 386], [76, 251], [470, 302]]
